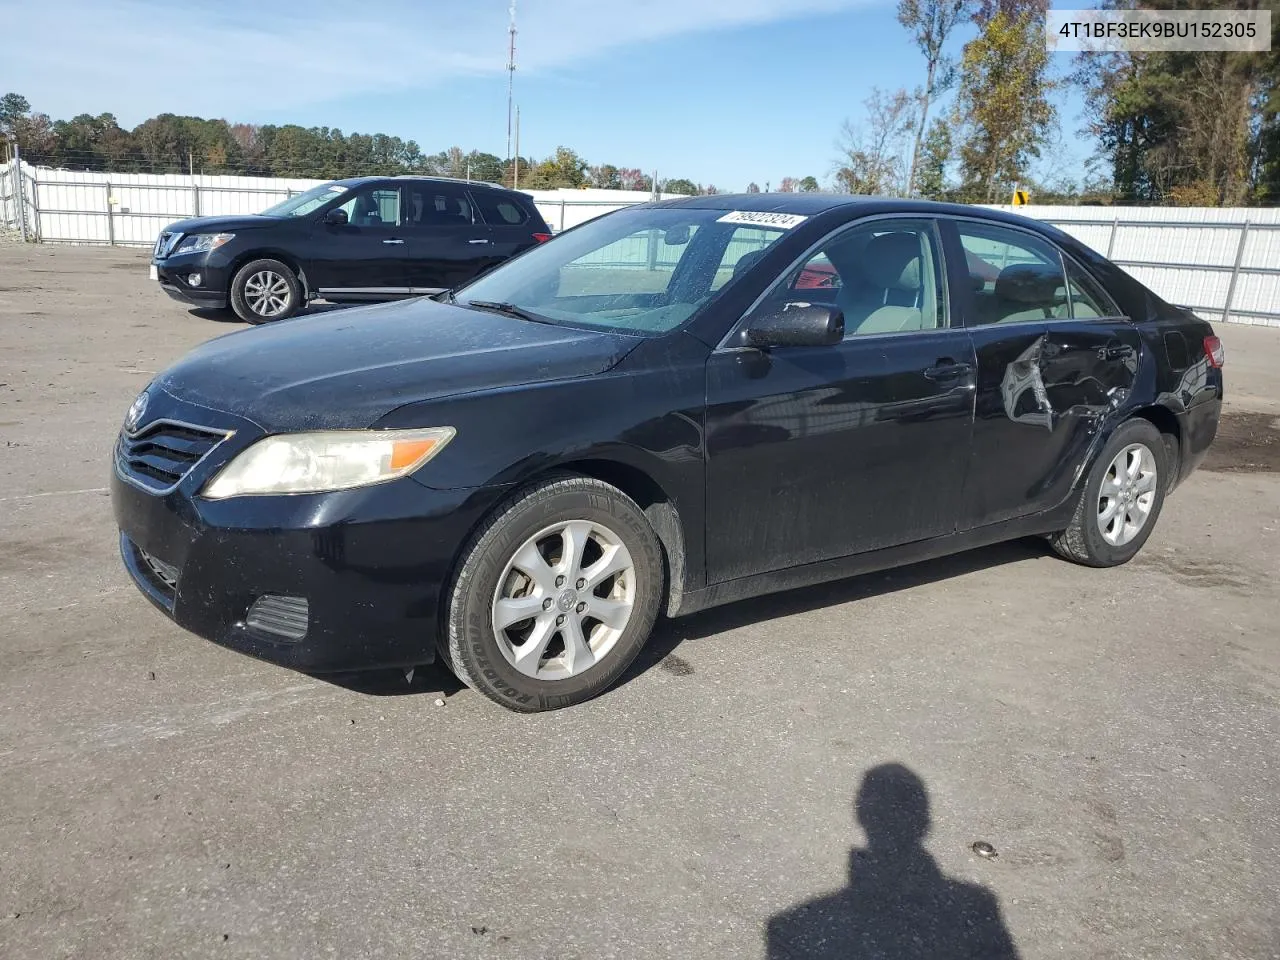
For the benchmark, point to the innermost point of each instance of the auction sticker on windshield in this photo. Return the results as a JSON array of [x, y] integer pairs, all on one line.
[[783, 221]]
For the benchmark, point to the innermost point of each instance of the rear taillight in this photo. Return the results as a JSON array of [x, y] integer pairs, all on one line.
[[1213, 351], [542, 237]]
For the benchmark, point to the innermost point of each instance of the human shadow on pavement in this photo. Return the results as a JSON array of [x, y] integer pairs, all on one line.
[[898, 905]]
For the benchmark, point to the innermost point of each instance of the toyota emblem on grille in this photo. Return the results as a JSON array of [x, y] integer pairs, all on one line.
[[136, 412]]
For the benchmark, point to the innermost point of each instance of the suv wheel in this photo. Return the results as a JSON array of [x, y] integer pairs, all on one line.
[[264, 291]]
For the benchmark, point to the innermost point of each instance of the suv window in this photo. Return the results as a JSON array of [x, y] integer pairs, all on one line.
[[1015, 277], [437, 205], [885, 276], [373, 207], [500, 211]]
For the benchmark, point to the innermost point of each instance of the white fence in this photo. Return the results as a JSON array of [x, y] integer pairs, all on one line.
[[1223, 263]]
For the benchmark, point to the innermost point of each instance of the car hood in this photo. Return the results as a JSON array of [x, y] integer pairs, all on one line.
[[347, 368], [221, 224]]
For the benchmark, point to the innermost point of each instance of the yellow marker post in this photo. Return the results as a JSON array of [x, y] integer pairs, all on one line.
[[1021, 198]]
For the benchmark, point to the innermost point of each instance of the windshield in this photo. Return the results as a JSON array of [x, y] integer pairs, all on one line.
[[643, 270], [304, 203]]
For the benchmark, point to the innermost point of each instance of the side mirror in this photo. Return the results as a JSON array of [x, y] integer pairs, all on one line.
[[337, 217], [796, 325]]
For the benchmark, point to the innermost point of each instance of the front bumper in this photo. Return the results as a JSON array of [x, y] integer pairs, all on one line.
[[215, 279], [370, 563]]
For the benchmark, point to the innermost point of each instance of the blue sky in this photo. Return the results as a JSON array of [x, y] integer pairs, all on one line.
[[719, 91]]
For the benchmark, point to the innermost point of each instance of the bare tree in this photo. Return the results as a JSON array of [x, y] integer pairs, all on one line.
[[872, 153], [930, 23]]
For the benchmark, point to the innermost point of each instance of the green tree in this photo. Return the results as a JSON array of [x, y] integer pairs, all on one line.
[[605, 177], [809, 185], [931, 176], [1004, 98], [930, 23], [686, 187]]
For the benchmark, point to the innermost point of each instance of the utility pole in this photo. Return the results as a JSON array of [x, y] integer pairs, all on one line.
[[511, 78], [515, 176]]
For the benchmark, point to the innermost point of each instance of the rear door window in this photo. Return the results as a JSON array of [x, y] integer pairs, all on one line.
[[437, 206], [1088, 299], [1015, 277]]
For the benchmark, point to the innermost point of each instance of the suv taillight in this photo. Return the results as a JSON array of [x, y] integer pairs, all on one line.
[[1213, 351], [542, 237]]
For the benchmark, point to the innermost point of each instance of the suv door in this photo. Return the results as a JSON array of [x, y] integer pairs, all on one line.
[[815, 453], [514, 222], [366, 256], [448, 242], [1054, 359]]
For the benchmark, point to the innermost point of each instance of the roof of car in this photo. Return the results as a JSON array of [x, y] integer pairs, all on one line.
[[356, 181], [812, 204]]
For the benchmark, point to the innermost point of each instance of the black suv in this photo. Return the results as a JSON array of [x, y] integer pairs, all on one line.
[[367, 238]]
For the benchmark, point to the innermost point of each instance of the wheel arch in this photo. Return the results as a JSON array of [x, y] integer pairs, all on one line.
[[260, 253], [658, 506], [638, 484], [1164, 420]]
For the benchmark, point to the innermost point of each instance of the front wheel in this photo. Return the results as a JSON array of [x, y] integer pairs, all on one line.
[[555, 596], [1121, 500], [264, 291]]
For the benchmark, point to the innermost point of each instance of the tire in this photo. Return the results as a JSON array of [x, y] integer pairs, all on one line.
[[511, 566], [1096, 536], [264, 291]]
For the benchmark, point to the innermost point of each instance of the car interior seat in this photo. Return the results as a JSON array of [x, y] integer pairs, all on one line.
[[1028, 291], [890, 294]]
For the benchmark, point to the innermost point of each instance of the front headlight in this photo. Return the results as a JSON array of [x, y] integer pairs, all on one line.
[[332, 460], [202, 242]]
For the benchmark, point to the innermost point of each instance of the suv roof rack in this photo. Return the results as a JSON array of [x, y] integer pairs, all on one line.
[[431, 176]]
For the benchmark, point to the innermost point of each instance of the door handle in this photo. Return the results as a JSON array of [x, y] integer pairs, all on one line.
[[477, 241], [947, 369], [393, 241], [1123, 352]]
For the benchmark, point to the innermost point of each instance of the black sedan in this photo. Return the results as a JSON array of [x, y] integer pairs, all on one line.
[[656, 412]]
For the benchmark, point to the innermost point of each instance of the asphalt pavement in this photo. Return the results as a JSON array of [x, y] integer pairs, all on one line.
[[801, 775]]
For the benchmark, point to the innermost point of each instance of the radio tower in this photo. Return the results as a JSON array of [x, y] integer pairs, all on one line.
[[511, 78]]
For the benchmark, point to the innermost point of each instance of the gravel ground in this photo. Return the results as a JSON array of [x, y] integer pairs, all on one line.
[[1111, 734]]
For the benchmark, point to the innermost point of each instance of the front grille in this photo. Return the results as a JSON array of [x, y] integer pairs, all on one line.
[[159, 455]]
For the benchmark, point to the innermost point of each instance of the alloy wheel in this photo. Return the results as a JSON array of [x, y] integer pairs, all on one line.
[[563, 600], [267, 293], [1127, 494]]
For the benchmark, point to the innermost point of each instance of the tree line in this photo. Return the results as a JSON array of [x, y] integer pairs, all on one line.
[[1189, 129], [174, 144]]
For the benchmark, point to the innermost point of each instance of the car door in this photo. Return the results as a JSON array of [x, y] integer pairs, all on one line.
[[448, 242], [366, 256], [815, 453], [1054, 359]]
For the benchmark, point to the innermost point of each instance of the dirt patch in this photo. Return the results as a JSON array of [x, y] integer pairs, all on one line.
[[1246, 443], [677, 666], [1193, 572]]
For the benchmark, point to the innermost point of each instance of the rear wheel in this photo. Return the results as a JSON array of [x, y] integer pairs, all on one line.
[[264, 291], [555, 596], [1121, 500]]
